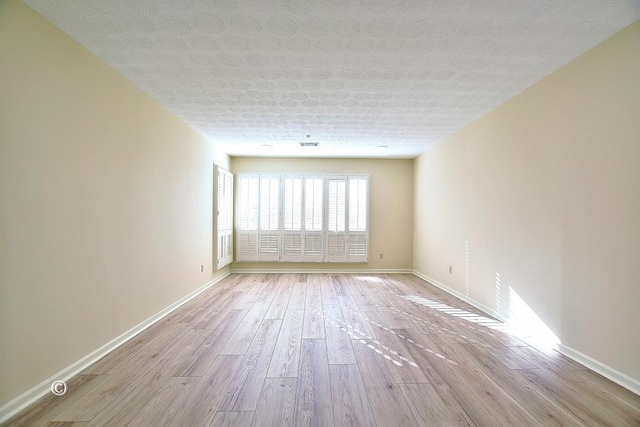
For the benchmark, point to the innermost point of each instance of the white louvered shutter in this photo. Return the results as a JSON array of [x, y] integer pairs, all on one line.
[[358, 214], [313, 236], [301, 218], [292, 218], [224, 216], [247, 209], [336, 219], [228, 251], [269, 234]]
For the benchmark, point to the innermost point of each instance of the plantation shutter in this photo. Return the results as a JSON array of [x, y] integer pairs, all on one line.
[[224, 216], [292, 218], [301, 218], [247, 206], [336, 219], [313, 218], [269, 234], [358, 214]]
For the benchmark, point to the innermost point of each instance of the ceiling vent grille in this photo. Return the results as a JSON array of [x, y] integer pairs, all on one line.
[[309, 144]]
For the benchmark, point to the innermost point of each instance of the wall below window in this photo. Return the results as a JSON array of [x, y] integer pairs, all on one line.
[[546, 191], [106, 203], [391, 212]]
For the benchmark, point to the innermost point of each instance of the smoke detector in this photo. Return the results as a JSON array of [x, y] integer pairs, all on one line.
[[307, 143]]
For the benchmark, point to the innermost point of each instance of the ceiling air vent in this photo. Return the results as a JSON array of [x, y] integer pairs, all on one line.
[[309, 144]]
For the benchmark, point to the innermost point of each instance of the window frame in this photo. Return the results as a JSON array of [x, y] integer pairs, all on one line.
[[302, 245]]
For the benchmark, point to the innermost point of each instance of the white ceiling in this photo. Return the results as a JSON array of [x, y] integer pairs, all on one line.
[[352, 74]]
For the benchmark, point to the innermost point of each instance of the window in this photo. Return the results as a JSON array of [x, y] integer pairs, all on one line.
[[313, 241], [247, 218], [302, 218], [269, 243], [358, 218], [337, 232], [223, 183], [292, 217]]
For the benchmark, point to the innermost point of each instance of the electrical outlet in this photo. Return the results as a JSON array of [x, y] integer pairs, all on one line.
[[381, 256], [450, 269], [201, 268]]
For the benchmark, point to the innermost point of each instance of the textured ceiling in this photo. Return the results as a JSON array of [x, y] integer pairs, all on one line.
[[352, 74]]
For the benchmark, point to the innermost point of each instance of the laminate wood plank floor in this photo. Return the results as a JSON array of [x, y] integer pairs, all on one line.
[[332, 350]]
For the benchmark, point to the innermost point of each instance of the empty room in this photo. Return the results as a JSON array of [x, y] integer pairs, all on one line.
[[328, 213]]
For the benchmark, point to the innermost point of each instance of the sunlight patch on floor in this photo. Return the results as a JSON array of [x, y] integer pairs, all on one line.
[[522, 322], [369, 279]]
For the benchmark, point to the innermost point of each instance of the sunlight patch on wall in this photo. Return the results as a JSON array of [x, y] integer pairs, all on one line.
[[525, 324], [498, 297], [466, 267]]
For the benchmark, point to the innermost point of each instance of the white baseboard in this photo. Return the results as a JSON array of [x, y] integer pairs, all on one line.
[[335, 271], [617, 377], [485, 309], [14, 406]]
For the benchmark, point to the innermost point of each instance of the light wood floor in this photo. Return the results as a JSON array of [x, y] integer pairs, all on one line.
[[332, 349]]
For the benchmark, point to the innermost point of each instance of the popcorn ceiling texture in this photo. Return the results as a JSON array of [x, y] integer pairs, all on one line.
[[352, 74]]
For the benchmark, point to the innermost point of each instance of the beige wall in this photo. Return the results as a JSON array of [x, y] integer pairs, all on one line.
[[391, 212], [106, 203], [546, 189]]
